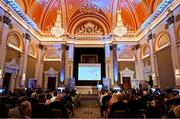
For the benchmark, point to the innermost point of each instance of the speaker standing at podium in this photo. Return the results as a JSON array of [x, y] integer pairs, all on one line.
[[150, 82]]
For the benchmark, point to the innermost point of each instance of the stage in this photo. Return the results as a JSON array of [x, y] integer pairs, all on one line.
[[86, 89]]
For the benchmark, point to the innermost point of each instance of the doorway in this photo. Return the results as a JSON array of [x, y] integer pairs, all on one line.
[[126, 83], [51, 83], [6, 80]]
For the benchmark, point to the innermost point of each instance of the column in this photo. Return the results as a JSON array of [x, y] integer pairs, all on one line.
[[107, 59], [57, 80], [25, 58], [46, 81], [115, 63], [174, 50], [152, 59], [41, 73], [3, 41], [39, 67], [108, 68], [20, 73], [69, 62], [62, 70], [139, 65]]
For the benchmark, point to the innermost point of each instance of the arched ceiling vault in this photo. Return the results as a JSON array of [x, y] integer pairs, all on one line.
[[44, 12]]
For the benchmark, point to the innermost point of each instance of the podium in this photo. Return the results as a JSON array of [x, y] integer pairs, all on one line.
[[71, 83], [106, 83]]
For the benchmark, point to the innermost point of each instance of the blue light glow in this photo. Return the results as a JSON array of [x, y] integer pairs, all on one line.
[[160, 9], [15, 7]]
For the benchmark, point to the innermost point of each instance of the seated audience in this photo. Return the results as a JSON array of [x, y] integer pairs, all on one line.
[[15, 112], [25, 109], [119, 105]]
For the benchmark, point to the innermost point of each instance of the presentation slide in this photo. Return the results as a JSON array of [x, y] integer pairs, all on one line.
[[89, 72]]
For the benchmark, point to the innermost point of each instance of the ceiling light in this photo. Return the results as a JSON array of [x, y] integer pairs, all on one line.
[[120, 29], [57, 29]]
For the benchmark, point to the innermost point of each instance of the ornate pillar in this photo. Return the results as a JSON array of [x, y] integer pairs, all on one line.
[[174, 49], [69, 62], [41, 73], [139, 65], [45, 81], [150, 40], [4, 26], [39, 67], [62, 70], [20, 73], [115, 63], [57, 80], [109, 67], [107, 60], [25, 58]]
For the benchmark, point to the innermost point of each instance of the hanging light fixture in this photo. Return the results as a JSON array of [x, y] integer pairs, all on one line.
[[57, 29], [120, 29]]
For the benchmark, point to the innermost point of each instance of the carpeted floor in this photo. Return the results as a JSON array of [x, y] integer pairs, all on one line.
[[89, 104], [89, 108]]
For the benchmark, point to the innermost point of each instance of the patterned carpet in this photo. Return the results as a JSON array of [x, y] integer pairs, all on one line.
[[89, 108]]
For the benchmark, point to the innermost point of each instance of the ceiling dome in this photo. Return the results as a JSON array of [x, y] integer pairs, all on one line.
[[44, 12]]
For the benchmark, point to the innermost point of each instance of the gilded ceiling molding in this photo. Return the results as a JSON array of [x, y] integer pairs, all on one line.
[[73, 12], [89, 8], [45, 13], [88, 29], [84, 18], [131, 15], [134, 13]]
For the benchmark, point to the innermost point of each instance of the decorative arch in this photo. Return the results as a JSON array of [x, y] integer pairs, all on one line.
[[126, 55], [15, 40], [145, 51], [162, 40], [77, 6], [73, 24], [32, 50], [51, 55]]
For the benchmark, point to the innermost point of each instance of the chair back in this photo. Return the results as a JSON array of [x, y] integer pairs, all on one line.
[[120, 114]]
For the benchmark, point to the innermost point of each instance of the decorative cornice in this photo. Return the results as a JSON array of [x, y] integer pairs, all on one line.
[[89, 8], [15, 7], [161, 8]]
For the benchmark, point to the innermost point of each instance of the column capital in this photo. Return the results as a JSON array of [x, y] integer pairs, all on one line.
[[65, 46], [21, 54], [27, 36], [6, 20], [170, 19], [113, 46]]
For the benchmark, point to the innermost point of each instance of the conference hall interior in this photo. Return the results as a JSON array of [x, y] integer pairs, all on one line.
[[90, 59]]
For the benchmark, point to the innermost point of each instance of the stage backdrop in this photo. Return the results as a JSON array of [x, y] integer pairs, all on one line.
[[88, 55]]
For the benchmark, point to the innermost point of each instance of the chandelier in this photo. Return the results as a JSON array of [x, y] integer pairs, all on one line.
[[57, 29], [120, 29]]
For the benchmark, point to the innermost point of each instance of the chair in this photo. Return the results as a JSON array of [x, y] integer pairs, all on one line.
[[120, 114], [56, 113]]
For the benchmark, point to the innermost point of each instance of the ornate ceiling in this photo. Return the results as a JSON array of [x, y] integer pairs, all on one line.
[[99, 14]]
